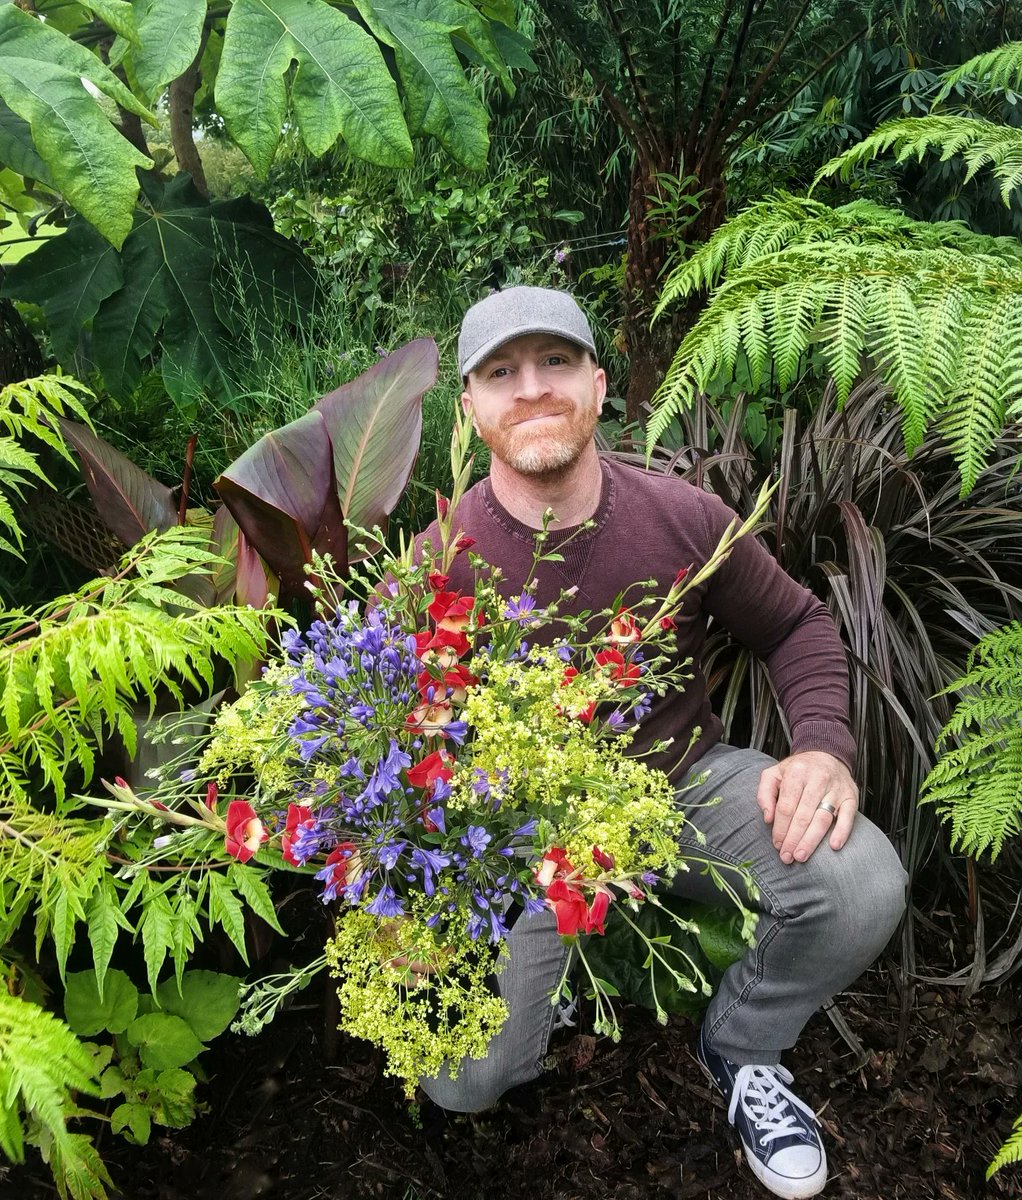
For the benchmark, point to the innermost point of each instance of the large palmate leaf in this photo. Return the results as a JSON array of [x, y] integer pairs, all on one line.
[[169, 35], [340, 86], [161, 291], [375, 423], [89, 161], [439, 99], [130, 502], [283, 495]]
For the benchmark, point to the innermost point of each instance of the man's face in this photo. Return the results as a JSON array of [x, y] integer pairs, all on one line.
[[535, 403]]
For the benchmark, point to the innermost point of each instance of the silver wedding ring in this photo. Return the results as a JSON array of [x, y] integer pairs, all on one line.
[[827, 807]]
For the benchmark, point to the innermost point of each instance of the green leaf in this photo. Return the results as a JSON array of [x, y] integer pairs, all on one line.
[[70, 276], [161, 293], [157, 928], [175, 1093], [89, 1013], [17, 150], [163, 1041], [251, 886], [105, 919], [340, 86], [207, 1001], [118, 14], [169, 35], [225, 909], [439, 99], [135, 1119], [89, 161]]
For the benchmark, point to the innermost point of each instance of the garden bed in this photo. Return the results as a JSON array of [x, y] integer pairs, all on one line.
[[624, 1121]]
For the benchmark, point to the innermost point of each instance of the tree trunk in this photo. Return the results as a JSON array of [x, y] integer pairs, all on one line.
[[651, 349], [182, 106]]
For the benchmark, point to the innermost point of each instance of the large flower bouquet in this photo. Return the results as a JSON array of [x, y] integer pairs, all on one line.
[[442, 774]]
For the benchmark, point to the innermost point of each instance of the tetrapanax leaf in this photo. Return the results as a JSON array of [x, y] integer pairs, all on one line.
[[340, 86], [439, 99], [169, 34], [162, 289], [129, 500], [17, 150], [89, 160], [375, 423], [69, 277]]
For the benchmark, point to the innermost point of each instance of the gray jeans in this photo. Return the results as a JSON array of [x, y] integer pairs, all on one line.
[[821, 923]]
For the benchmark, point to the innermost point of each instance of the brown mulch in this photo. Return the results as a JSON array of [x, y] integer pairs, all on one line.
[[626, 1121]]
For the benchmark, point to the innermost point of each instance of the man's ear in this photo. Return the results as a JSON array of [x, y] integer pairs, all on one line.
[[466, 408], [600, 380]]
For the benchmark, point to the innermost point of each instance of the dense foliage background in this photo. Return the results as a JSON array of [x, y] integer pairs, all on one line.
[[796, 228]]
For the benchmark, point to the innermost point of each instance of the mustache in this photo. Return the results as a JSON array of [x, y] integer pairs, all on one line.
[[516, 418]]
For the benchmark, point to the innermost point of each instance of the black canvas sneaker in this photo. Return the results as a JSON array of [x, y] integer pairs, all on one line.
[[779, 1133]]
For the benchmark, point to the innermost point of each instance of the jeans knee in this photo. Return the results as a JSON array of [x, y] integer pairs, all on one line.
[[474, 1090], [868, 896]]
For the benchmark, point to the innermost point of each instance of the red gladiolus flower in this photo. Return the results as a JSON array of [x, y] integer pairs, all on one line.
[[623, 629], [451, 611], [464, 543], [245, 832], [438, 765], [597, 912], [554, 864], [680, 577], [212, 795], [602, 859], [442, 505], [437, 582], [453, 686], [624, 673], [569, 907], [297, 815], [668, 623], [430, 718], [444, 647]]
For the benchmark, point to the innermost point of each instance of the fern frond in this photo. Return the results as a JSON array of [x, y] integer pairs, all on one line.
[[932, 305], [980, 142], [976, 784], [1000, 67], [73, 670], [1010, 1152], [28, 409], [41, 1064]]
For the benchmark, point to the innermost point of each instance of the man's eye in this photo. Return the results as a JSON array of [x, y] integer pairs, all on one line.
[[556, 360], [498, 372]]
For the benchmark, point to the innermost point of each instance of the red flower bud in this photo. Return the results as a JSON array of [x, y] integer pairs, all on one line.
[[668, 623], [437, 582], [464, 543], [680, 577], [442, 506], [602, 859]]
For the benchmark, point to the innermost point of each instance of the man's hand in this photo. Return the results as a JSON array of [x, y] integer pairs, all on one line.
[[790, 795]]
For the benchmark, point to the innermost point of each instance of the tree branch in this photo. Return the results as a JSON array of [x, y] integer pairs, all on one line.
[[763, 77], [182, 105], [713, 130], [781, 105], [704, 88]]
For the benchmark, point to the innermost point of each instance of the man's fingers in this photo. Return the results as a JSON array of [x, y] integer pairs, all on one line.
[[843, 823], [766, 794]]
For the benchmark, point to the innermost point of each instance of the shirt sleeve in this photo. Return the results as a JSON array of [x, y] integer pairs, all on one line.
[[791, 630]]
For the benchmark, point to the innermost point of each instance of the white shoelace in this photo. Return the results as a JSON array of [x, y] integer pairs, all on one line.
[[765, 1101], [563, 1017]]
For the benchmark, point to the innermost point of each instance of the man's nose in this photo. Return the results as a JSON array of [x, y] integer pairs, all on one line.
[[530, 383]]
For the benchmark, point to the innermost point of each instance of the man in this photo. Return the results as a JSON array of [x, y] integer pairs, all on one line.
[[831, 889]]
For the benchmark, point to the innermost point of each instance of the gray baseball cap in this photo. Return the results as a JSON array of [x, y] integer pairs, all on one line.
[[503, 316]]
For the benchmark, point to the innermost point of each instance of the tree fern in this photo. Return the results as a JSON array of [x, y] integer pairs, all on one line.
[[979, 143], [41, 1064], [1000, 67], [977, 782], [1010, 1152], [933, 306], [27, 410]]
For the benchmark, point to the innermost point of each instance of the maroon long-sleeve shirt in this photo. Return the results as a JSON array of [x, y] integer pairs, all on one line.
[[649, 525]]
